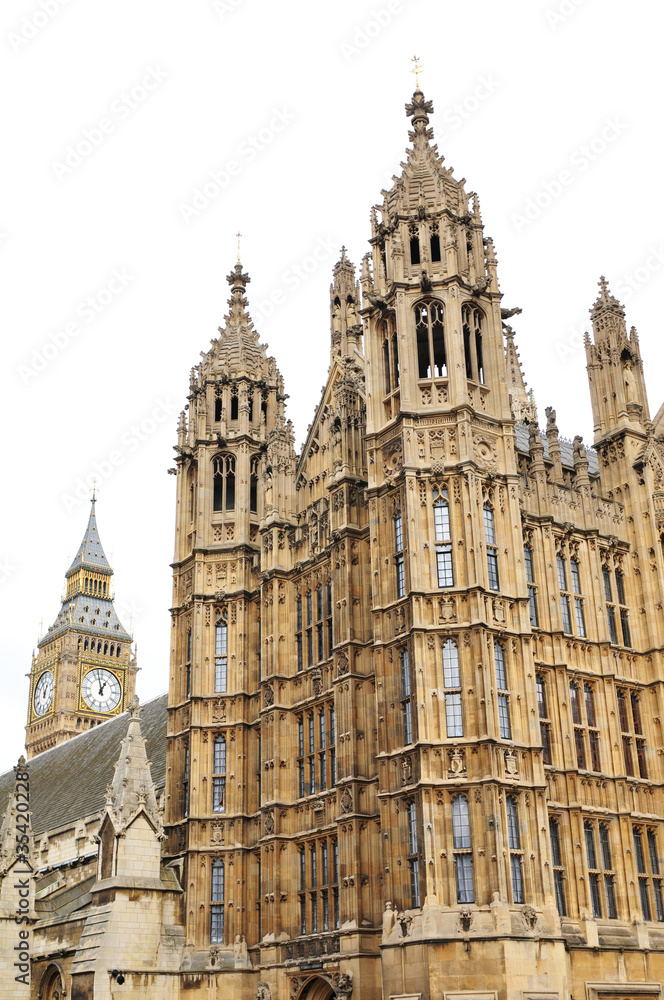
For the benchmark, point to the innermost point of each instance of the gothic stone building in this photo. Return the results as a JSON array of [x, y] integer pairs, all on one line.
[[413, 744]]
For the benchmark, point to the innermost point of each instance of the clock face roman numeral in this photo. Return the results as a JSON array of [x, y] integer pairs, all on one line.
[[43, 693], [101, 690]]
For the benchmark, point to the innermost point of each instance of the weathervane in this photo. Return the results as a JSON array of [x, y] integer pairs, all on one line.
[[417, 69], [238, 246]]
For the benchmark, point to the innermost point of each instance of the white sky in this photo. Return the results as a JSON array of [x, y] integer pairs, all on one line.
[[544, 86]]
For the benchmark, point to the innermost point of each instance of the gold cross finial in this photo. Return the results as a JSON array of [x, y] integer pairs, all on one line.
[[94, 490], [417, 69], [238, 246]]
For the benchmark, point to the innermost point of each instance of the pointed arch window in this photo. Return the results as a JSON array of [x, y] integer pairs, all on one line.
[[223, 494], [406, 704], [413, 855], [217, 903], [217, 405], [516, 854], [219, 775], [221, 653], [441, 523], [253, 487], [390, 356], [472, 320], [463, 858], [414, 235], [235, 405], [558, 868], [434, 242], [430, 333], [532, 589], [398, 555], [491, 547], [503, 696], [452, 687]]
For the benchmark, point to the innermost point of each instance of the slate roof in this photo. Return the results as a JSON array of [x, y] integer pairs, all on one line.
[[90, 614], [566, 449], [90, 553], [69, 782]]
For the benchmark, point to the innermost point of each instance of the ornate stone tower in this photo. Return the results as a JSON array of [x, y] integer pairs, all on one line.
[[85, 670], [460, 770], [414, 716], [235, 472]]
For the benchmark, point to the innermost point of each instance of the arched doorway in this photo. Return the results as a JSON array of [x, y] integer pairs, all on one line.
[[52, 984], [316, 988]]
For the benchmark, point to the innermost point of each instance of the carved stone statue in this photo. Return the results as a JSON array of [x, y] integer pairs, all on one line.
[[630, 382], [351, 314], [336, 318], [550, 419]]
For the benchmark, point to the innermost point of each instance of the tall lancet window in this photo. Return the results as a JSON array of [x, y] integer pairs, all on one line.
[[219, 775], [253, 487], [491, 547], [430, 332], [221, 652], [472, 320], [441, 523], [463, 858], [413, 233], [223, 492], [217, 903]]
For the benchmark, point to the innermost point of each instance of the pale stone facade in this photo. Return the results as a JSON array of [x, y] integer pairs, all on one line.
[[414, 744]]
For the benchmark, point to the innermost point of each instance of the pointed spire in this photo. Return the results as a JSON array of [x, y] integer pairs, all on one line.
[[132, 789], [605, 302], [238, 346], [90, 553], [522, 401]]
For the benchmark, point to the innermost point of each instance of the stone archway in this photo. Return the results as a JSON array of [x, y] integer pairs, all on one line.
[[53, 984], [317, 988]]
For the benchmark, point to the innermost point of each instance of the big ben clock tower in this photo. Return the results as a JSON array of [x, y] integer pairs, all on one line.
[[85, 671]]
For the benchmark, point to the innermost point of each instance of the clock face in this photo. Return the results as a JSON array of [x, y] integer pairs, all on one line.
[[101, 690], [43, 693]]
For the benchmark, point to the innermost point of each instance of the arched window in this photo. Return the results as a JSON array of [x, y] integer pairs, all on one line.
[[223, 496], [219, 775], [117, 650], [434, 240], [85, 644], [491, 547], [472, 342], [413, 855], [430, 333], [463, 858], [558, 868], [221, 653], [217, 903], [452, 685], [441, 523], [234, 403], [398, 557], [217, 405], [503, 697], [253, 487], [390, 356], [514, 843], [414, 235], [406, 707]]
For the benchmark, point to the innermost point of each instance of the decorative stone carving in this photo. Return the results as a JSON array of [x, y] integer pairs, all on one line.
[[263, 991]]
